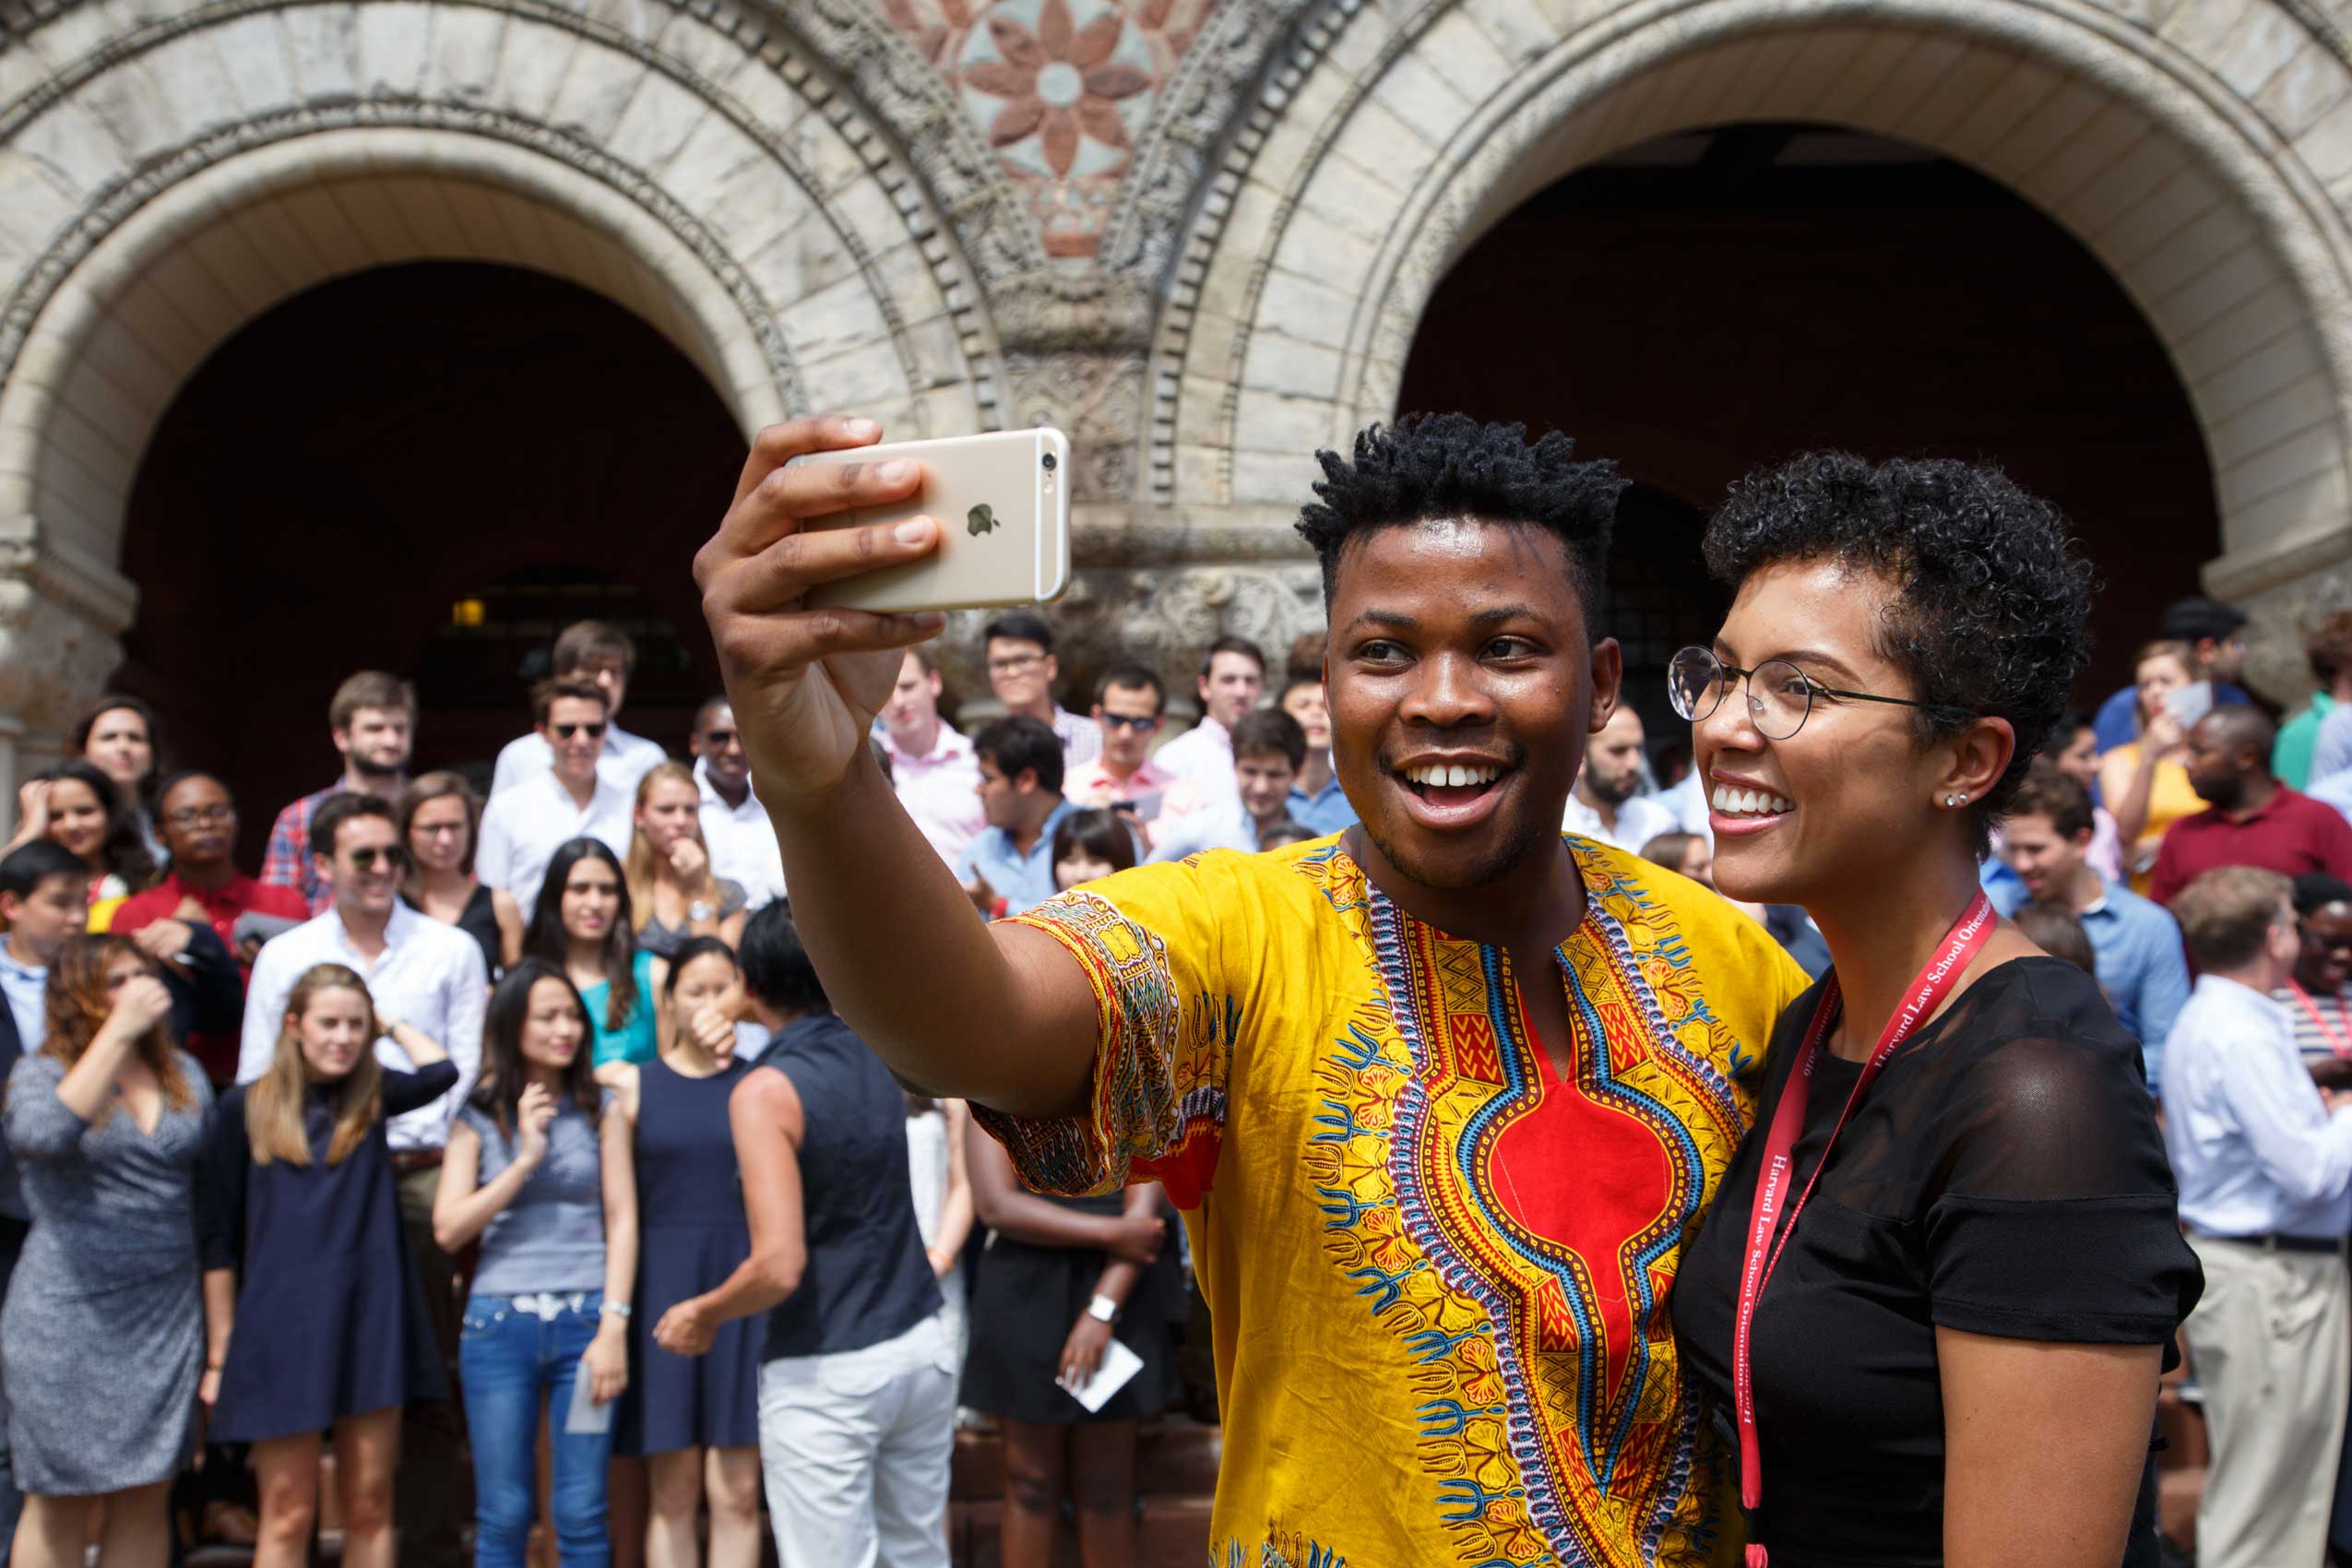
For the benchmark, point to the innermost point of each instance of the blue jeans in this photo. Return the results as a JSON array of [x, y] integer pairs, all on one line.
[[512, 1364]]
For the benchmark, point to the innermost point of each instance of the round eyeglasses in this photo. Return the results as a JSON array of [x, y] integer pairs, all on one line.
[[1780, 696]]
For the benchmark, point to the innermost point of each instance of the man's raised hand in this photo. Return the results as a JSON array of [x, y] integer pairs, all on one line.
[[806, 683]]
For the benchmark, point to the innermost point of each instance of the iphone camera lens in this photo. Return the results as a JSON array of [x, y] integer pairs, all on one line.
[[1050, 464]]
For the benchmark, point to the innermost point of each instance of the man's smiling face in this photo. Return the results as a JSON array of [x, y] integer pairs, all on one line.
[[1462, 687]]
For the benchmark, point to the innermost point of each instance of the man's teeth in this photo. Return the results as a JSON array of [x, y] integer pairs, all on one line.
[[1750, 802], [1444, 776]]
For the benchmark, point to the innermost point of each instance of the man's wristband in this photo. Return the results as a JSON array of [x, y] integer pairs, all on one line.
[[1102, 1308]]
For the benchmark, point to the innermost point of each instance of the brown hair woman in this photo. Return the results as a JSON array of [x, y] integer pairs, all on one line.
[[102, 1342]]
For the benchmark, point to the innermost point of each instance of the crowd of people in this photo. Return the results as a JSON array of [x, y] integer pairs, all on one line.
[[517, 1127]]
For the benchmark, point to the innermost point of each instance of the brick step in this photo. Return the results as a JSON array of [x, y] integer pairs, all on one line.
[[1173, 1534], [1173, 1458]]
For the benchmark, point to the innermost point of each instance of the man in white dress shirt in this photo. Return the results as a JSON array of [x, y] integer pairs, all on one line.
[[522, 828], [430, 976], [587, 650], [735, 829], [1606, 803], [1232, 680], [2263, 1158]]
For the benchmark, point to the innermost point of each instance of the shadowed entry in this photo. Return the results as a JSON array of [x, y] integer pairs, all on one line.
[[426, 468]]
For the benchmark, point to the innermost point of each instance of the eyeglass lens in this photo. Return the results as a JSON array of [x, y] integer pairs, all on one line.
[[192, 816], [565, 731], [1778, 695], [392, 856]]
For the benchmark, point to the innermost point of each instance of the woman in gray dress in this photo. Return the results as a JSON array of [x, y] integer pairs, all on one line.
[[101, 1343]]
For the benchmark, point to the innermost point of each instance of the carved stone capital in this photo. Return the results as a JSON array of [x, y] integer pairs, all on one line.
[[57, 644]]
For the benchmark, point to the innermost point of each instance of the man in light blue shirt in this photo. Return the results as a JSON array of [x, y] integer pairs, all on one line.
[[2136, 945], [2263, 1159], [1268, 749], [1008, 866]]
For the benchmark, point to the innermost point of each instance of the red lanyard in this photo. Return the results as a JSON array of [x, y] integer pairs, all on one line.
[[2337, 1040], [1968, 934]]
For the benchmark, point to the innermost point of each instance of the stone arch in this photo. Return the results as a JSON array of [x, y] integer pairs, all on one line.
[[163, 182], [2210, 190]]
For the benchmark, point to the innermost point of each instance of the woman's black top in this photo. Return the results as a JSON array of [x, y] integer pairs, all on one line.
[[2004, 1176], [478, 919]]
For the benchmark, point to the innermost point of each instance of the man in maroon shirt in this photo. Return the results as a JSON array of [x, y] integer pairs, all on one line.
[[200, 826], [2250, 819]]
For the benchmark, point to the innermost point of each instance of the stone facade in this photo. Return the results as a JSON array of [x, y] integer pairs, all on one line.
[[1197, 234]]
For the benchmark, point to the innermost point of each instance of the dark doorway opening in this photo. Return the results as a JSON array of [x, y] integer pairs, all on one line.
[[1709, 302], [426, 468]]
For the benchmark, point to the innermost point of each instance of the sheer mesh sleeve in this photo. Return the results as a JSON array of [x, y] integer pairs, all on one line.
[[2051, 1211]]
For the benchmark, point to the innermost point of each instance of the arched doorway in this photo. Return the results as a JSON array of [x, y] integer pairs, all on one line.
[[1714, 298], [426, 468]]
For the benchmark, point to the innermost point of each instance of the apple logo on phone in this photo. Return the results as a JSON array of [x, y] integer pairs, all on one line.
[[980, 519]]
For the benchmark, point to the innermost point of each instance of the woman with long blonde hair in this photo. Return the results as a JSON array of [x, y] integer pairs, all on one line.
[[327, 1328], [671, 888], [101, 1343]]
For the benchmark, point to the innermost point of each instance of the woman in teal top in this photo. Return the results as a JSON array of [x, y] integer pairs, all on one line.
[[582, 926]]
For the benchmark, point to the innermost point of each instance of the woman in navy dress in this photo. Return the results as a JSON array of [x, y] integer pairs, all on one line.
[[694, 1418], [328, 1329]]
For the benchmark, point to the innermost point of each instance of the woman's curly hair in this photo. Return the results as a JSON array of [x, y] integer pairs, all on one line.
[[1428, 466], [1990, 619]]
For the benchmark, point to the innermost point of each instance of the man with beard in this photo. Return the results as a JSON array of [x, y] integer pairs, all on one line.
[[203, 887], [1607, 803], [373, 721], [1436, 1210], [2250, 819]]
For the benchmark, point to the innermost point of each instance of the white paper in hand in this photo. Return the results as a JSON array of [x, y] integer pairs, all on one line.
[[586, 1416], [1119, 1366]]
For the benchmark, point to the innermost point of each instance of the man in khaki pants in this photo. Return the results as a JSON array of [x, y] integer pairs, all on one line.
[[2265, 1162]]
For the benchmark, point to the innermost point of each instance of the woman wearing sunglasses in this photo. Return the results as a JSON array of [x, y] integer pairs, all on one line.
[[1933, 1330]]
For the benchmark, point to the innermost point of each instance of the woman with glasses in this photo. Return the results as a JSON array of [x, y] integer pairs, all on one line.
[[1933, 1331], [439, 818]]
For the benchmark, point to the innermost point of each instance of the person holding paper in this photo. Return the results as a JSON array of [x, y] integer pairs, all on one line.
[[1064, 1280], [545, 1181]]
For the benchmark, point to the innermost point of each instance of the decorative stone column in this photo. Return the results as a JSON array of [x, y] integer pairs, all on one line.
[[2285, 589], [61, 614]]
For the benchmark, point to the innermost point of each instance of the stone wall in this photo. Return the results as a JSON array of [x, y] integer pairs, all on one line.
[[1198, 234]]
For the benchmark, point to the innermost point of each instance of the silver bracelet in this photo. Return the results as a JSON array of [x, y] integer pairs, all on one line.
[[616, 1309]]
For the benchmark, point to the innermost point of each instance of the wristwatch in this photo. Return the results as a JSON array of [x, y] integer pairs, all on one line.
[[1102, 1308], [698, 910]]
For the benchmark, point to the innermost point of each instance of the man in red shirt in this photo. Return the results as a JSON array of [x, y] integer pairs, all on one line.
[[2250, 819], [200, 826]]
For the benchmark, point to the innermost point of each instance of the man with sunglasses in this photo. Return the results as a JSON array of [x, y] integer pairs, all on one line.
[[735, 829], [1128, 704], [430, 976], [523, 825], [204, 887]]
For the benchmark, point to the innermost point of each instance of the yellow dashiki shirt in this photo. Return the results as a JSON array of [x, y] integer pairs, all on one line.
[[1437, 1266]]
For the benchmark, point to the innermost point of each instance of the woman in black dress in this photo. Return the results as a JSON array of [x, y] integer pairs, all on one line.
[[327, 1329], [439, 818], [1061, 1277], [1952, 1355], [694, 1420]]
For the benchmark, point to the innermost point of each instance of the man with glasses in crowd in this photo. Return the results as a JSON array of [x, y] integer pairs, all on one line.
[[522, 828], [735, 829], [602, 655], [1129, 702], [430, 976], [1021, 672], [373, 721], [205, 887]]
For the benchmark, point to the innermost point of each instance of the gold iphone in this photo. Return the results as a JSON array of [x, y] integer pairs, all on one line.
[[1001, 502]]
